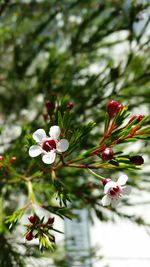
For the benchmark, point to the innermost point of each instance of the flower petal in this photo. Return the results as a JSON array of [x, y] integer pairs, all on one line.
[[54, 132], [108, 186], [126, 190], [122, 179], [39, 135], [49, 157], [62, 145], [106, 200], [115, 201], [35, 151]]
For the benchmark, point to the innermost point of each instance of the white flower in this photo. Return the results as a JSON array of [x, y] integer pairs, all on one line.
[[114, 190], [48, 146]]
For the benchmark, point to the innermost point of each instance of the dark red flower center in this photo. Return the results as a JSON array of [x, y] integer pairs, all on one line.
[[115, 191], [49, 145]]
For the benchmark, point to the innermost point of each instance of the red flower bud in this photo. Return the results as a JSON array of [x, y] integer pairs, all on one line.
[[1, 157], [33, 219], [49, 105], [13, 159], [29, 236], [45, 117], [107, 154], [50, 220], [113, 108], [70, 105], [106, 180], [138, 117], [137, 160]]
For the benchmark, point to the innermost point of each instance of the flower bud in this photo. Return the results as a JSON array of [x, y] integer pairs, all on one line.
[[137, 160], [107, 154], [45, 116], [50, 220], [33, 219], [13, 159], [70, 105], [106, 180], [113, 108], [1, 157], [29, 236], [49, 105], [138, 117]]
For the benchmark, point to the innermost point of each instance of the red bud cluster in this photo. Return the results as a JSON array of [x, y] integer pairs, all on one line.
[[11, 160], [40, 227]]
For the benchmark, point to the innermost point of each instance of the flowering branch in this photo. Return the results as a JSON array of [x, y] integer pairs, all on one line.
[[58, 151]]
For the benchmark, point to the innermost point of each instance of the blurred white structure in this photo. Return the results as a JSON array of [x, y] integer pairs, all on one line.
[[77, 240]]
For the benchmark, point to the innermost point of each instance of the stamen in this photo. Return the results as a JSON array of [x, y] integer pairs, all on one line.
[[49, 145]]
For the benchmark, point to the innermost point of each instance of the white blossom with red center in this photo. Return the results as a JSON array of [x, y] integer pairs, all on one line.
[[48, 146], [114, 190]]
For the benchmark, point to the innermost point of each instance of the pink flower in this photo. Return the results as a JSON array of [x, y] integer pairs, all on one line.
[[114, 190], [48, 146]]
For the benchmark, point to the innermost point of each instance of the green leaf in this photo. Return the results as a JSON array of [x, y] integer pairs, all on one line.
[[29, 141], [144, 136], [2, 215], [121, 116], [66, 119], [145, 130], [107, 121], [61, 212], [96, 175], [79, 134], [13, 218], [45, 243], [143, 120], [60, 120]]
